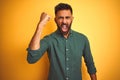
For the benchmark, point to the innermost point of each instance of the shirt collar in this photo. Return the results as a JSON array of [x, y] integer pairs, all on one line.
[[59, 33]]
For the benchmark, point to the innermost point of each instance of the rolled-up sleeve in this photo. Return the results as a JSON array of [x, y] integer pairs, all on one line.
[[88, 58], [34, 55]]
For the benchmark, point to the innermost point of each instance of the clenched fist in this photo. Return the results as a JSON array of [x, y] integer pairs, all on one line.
[[44, 18]]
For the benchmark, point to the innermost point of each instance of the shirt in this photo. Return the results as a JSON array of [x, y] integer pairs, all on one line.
[[65, 55]]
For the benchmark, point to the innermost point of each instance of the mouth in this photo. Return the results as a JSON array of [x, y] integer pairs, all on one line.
[[64, 28]]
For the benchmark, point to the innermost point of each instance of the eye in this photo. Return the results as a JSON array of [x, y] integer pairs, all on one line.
[[68, 17], [60, 17]]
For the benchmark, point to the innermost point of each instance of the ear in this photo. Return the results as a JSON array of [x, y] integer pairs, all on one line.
[[72, 17], [55, 19]]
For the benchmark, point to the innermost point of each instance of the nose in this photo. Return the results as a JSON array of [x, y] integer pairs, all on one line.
[[64, 21]]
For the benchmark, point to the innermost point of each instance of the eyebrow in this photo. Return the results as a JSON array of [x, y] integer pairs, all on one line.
[[63, 17]]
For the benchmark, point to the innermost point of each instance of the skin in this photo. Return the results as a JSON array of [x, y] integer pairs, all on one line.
[[63, 19], [35, 41]]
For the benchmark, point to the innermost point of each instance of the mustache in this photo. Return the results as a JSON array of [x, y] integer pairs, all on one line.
[[63, 24]]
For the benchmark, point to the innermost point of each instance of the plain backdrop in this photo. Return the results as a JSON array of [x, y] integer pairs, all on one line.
[[99, 20]]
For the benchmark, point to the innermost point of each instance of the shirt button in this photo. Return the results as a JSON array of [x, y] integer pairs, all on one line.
[[67, 49], [67, 59], [67, 68], [67, 78]]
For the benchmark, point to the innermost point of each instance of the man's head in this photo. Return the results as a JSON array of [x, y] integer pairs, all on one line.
[[63, 17], [63, 6]]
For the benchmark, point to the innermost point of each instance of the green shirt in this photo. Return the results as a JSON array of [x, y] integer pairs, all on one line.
[[65, 55]]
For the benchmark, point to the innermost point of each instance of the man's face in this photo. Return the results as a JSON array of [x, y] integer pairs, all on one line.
[[63, 20]]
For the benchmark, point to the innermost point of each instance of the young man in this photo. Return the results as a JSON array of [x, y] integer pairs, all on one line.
[[65, 47]]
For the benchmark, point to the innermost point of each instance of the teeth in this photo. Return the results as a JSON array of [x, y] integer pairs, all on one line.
[[64, 26]]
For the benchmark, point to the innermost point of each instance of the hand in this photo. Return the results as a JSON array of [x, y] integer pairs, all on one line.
[[44, 18], [93, 76]]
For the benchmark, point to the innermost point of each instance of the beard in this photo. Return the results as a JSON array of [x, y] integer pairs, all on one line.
[[64, 28]]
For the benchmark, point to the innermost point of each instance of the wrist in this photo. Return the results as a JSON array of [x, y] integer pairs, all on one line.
[[93, 77], [41, 25]]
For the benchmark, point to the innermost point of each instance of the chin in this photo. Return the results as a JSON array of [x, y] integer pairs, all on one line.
[[65, 33]]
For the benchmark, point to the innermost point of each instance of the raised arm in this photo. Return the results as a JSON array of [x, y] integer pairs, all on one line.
[[35, 41]]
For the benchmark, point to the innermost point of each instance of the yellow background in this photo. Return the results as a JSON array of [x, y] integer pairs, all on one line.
[[98, 19]]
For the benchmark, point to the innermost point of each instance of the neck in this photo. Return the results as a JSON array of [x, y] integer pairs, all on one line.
[[66, 35]]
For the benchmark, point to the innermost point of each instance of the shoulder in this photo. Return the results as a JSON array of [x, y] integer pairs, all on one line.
[[79, 35], [50, 36]]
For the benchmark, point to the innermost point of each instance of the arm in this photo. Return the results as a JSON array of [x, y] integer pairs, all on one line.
[[34, 50], [88, 58], [35, 41], [93, 76]]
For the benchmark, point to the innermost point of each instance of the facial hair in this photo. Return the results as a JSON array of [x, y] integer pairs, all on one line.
[[67, 25]]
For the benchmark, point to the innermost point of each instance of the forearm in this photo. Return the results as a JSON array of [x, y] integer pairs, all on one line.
[[35, 41], [93, 76]]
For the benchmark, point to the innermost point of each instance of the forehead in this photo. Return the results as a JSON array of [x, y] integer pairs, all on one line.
[[64, 13]]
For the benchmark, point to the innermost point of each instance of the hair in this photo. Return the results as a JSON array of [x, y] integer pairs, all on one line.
[[63, 6]]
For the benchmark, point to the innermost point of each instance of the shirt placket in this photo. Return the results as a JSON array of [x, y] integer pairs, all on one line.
[[67, 58]]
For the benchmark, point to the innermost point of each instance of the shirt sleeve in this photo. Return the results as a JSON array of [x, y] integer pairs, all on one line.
[[34, 55], [88, 58]]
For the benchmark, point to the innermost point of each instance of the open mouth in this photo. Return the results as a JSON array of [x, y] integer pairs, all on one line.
[[64, 28]]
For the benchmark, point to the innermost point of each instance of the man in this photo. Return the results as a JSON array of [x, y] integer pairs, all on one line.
[[65, 47]]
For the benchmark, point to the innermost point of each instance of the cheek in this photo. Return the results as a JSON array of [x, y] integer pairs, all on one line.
[[70, 22], [58, 23]]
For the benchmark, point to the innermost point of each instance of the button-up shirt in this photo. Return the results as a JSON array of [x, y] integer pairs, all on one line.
[[65, 55]]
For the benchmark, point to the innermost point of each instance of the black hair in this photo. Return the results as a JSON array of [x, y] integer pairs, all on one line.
[[63, 6]]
